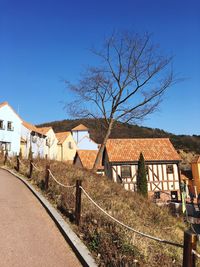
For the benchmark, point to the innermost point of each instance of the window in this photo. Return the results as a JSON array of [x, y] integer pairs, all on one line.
[[9, 126], [125, 171], [174, 195], [170, 168], [157, 195], [5, 146], [1, 125], [70, 145]]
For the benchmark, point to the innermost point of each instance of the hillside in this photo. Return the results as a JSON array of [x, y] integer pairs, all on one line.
[[188, 145], [111, 244]]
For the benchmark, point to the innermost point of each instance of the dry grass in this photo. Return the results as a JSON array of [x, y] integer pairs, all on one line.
[[111, 244]]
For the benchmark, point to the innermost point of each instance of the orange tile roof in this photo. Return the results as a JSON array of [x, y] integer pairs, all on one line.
[[196, 159], [153, 149], [32, 127], [80, 127], [44, 130], [87, 158], [62, 136]]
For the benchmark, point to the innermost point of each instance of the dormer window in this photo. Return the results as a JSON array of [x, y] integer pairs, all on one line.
[[10, 126], [1, 125]]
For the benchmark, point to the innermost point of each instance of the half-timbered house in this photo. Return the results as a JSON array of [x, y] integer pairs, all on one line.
[[120, 162]]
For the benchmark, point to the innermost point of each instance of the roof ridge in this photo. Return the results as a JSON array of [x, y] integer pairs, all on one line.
[[5, 103]]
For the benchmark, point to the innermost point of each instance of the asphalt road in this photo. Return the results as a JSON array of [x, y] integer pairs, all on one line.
[[28, 236]]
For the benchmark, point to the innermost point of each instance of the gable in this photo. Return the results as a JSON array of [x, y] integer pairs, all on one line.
[[8, 113]]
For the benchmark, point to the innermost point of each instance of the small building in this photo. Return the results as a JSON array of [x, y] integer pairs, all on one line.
[[32, 141], [10, 129], [86, 159], [120, 160], [196, 172], [50, 149], [66, 149], [82, 138]]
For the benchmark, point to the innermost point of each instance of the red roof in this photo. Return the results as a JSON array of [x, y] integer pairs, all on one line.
[[87, 158], [80, 127], [62, 137], [153, 149], [32, 127], [44, 130]]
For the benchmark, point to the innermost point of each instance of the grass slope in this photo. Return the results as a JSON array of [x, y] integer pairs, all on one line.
[[111, 244]]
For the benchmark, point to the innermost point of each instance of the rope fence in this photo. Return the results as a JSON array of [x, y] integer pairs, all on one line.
[[190, 236], [21, 162], [196, 253], [36, 168], [128, 227], [65, 186]]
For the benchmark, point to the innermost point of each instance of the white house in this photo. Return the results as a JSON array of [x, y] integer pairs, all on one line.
[[82, 138], [10, 129], [51, 148], [120, 162], [32, 140]]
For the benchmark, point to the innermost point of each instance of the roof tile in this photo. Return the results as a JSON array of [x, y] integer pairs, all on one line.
[[62, 136], [88, 157], [80, 127], [153, 149]]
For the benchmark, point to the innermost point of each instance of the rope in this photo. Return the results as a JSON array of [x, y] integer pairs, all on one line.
[[21, 162], [36, 167], [128, 227], [9, 160], [195, 253], [66, 186]]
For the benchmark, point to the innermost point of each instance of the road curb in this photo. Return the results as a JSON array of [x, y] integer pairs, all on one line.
[[72, 239]]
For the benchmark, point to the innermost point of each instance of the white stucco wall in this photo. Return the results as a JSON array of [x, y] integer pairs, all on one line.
[[14, 136], [51, 150], [87, 144], [79, 135], [83, 140], [37, 143]]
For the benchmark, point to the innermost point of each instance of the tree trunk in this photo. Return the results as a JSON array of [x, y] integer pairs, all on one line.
[[100, 152]]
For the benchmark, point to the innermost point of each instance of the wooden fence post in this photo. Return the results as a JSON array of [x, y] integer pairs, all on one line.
[[6, 157], [78, 202], [190, 243], [18, 164], [30, 169], [46, 182]]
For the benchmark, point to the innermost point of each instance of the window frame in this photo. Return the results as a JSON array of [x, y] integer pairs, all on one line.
[[170, 169], [2, 127], [10, 126], [124, 173]]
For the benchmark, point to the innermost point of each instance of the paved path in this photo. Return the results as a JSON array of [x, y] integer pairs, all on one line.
[[28, 236]]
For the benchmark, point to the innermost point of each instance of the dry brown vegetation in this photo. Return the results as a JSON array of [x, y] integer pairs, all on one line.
[[111, 244]]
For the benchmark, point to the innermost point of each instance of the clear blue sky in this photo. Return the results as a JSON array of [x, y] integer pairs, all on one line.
[[43, 42]]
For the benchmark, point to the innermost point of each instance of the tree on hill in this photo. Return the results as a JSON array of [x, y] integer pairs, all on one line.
[[127, 85], [142, 177]]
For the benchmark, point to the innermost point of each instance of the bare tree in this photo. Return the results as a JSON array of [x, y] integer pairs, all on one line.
[[127, 85]]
